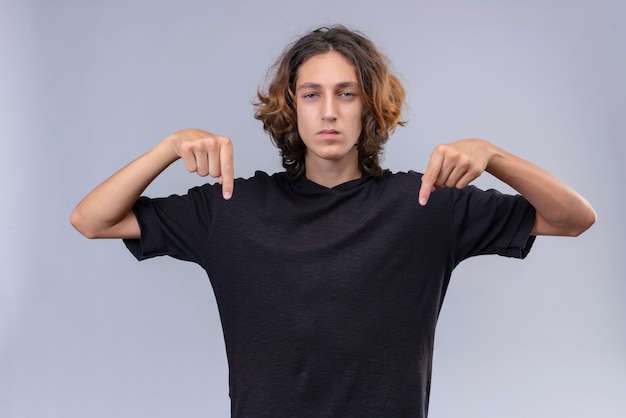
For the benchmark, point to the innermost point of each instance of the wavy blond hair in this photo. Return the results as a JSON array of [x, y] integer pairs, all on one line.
[[381, 92]]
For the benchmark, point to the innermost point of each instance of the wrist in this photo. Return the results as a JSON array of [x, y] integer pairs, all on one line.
[[495, 157], [167, 149]]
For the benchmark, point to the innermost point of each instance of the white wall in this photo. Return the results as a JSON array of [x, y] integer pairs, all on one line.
[[86, 331]]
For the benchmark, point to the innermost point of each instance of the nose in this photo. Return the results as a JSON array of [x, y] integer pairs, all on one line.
[[329, 110]]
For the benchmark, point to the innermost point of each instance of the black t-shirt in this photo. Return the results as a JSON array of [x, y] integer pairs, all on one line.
[[329, 297]]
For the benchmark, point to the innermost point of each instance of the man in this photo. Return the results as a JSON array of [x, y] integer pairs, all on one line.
[[329, 276]]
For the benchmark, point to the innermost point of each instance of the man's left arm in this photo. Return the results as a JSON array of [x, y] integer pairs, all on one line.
[[560, 210]]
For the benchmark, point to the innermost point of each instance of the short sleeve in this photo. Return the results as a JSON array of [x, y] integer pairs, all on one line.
[[178, 226], [489, 222]]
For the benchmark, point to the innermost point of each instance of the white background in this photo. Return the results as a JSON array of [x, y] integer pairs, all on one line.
[[86, 86]]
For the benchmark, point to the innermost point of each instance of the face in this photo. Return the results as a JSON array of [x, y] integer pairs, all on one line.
[[329, 110]]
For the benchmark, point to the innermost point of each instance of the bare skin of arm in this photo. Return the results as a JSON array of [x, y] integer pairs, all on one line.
[[560, 210], [106, 212]]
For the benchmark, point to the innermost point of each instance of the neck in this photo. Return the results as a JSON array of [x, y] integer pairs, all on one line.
[[330, 173]]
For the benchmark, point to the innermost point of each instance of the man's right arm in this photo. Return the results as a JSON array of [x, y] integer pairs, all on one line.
[[106, 212]]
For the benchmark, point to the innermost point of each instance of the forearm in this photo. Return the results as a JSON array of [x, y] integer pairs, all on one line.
[[107, 210], [560, 209]]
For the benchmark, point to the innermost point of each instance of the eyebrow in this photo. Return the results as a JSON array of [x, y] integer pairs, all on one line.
[[341, 85]]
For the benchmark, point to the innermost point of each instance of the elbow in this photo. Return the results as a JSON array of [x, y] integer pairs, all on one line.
[[587, 221], [79, 223], [568, 224], [583, 222]]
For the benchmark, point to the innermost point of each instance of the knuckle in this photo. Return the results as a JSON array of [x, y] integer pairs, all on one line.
[[428, 178], [475, 172], [225, 143], [214, 171], [440, 149], [184, 146], [210, 140]]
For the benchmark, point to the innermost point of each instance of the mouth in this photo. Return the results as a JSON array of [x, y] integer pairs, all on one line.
[[328, 134]]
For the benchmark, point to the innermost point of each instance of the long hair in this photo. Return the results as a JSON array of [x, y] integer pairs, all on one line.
[[381, 92]]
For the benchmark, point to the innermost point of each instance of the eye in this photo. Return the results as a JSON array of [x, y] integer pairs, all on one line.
[[309, 96], [347, 94]]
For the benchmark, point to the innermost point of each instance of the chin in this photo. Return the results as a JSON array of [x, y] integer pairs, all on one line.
[[334, 156]]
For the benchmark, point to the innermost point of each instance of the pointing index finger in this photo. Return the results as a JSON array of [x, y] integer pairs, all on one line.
[[430, 176], [227, 178]]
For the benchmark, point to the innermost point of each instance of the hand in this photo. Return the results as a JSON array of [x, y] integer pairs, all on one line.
[[454, 165], [206, 154]]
